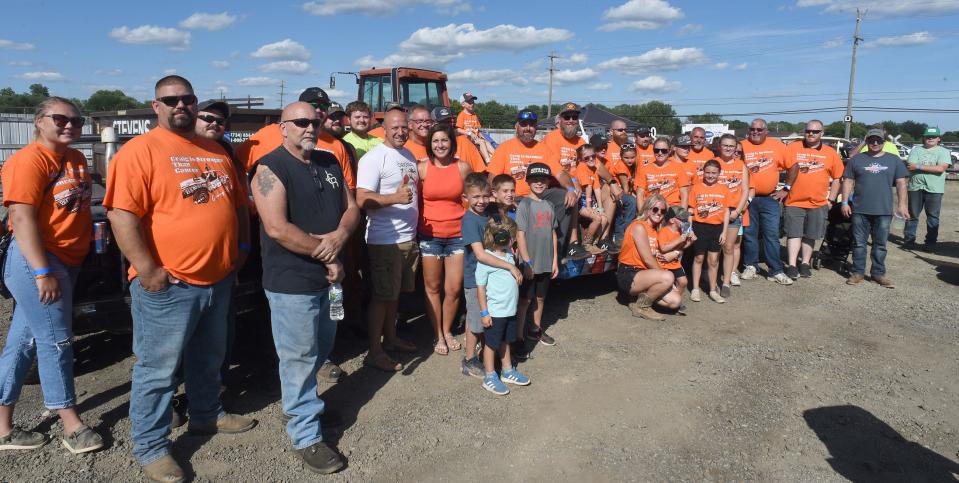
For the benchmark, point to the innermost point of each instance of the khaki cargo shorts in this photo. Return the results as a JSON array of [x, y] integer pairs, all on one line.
[[393, 269]]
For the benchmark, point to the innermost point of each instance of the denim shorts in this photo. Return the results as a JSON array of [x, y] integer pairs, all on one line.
[[440, 247]]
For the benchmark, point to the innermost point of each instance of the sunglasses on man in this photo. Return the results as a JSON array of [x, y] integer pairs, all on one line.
[[661, 150], [61, 121], [304, 122], [211, 119], [173, 101]]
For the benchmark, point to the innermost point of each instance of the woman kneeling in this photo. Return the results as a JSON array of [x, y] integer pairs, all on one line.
[[639, 273]]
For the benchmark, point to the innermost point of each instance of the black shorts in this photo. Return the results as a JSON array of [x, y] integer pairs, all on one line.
[[707, 237], [625, 275], [537, 287], [678, 272], [503, 329]]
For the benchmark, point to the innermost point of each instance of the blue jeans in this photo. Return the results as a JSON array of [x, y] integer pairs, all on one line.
[[182, 322], [624, 216], [303, 335], [932, 203], [862, 227], [764, 216], [38, 329]]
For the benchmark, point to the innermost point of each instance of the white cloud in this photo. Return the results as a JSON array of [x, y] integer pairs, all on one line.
[[659, 59], [257, 81], [655, 84], [834, 43], [208, 21], [381, 7], [20, 63], [918, 38], [285, 67], [426, 60], [169, 71], [44, 76], [11, 45], [109, 72], [487, 78], [152, 35], [220, 64], [640, 15], [690, 28], [567, 76], [885, 8], [599, 86], [577, 58], [720, 65], [288, 49], [742, 66]]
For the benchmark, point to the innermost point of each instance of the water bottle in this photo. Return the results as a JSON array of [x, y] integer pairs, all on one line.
[[336, 302]]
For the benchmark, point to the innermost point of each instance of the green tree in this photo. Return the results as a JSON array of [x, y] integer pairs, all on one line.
[[110, 100], [950, 137], [707, 118], [838, 129], [657, 114], [913, 128], [736, 124]]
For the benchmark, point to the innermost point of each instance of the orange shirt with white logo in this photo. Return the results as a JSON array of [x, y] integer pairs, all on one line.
[[270, 137], [665, 180], [512, 157], [645, 155], [587, 176], [666, 235], [698, 160], [63, 210], [468, 122], [184, 192], [764, 161], [817, 167], [629, 254], [688, 166], [563, 149], [732, 176], [709, 202]]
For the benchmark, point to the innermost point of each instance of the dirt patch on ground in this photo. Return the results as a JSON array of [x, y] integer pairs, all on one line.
[[818, 381]]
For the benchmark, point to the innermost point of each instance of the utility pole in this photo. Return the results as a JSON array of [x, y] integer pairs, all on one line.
[[549, 102], [282, 85], [852, 73]]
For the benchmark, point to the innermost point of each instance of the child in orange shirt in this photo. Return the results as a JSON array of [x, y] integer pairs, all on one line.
[[595, 206], [710, 202], [675, 235]]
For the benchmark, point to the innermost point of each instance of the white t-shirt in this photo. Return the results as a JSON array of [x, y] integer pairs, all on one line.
[[383, 170]]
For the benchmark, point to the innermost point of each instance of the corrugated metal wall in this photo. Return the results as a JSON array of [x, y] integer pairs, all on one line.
[[16, 131]]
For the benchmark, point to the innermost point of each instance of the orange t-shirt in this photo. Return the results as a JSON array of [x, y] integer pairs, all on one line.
[[732, 176], [709, 202], [467, 121], [688, 166], [270, 137], [764, 161], [668, 235], [466, 150], [817, 167], [613, 151], [418, 150], [645, 156], [512, 157], [705, 155], [629, 254], [377, 131], [563, 149], [184, 192], [587, 176], [63, 210], [666, 179]]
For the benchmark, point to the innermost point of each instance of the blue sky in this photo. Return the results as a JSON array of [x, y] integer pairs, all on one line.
[[741, 57]]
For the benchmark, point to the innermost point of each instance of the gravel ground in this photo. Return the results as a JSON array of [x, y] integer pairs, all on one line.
[[814, 382]]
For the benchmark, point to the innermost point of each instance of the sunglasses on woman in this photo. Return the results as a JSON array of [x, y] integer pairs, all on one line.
[[61, 121], [173, 101], [657, 210]]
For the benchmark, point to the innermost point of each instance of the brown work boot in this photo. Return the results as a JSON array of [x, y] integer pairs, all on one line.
[[854, 279], [884, 281], [164, 470], [228, 424], [642, 308]]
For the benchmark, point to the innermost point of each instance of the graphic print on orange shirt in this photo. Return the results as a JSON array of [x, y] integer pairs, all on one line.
[[666, 179], [709, 202]]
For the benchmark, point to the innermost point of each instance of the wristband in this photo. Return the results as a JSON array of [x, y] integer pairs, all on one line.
[[484, 313], [529, 262], [245, 247], [574, 179], [570, 189], [844, 203], [41, 271]]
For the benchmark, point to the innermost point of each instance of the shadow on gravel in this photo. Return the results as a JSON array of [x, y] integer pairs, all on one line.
[[947, 271], [863, 448], [100, 350]]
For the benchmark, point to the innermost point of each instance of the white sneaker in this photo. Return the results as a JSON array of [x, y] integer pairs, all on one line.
[[716, 298], [734, 279], [749, 272], [696, 295], [781, 279]]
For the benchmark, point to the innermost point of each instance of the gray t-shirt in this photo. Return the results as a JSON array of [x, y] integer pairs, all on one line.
[[875, 177], [536, 220], [472, 229]]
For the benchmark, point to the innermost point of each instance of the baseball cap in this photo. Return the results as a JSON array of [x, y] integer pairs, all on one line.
[[598, 141], [314, 95], [441, 113], [215, 105], [931, 132], [538, 169], [335, 107], [468, 97], [683, 140], [677, 212], [877, 133], [642, 128], [569, 107], [526, 115], [394, 106]]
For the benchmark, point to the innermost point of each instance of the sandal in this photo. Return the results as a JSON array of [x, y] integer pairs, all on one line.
[[452, 343], [382, 362], [442, 350], [400, 345]]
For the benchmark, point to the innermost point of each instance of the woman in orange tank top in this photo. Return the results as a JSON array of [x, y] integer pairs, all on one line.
[[639, 273], [441, 243]]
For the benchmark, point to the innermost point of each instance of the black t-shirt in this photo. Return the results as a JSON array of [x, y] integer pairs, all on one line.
[[314, 203]]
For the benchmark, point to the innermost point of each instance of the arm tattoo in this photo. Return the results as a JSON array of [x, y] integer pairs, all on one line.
[[265, 180]]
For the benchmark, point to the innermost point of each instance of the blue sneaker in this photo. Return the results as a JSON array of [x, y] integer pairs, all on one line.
[[512, 376], [493, 384]]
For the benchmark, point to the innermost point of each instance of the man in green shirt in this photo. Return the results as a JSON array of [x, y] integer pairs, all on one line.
[[927, 183], [360, 117]]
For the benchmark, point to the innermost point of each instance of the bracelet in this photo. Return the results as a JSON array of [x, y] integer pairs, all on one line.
[[42, 271], [245, 247], [570, 189], [844, 203], [45, 275], [529, 262], [484, 313]]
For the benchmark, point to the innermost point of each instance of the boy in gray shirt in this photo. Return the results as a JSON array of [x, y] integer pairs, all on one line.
[[536, 240]]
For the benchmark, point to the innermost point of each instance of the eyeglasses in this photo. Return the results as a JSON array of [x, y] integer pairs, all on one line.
[[661, 150], [757, 129], [570, 117], [875, 141], [173, 101], [304, 122], [627, 146], [657, 210], [813, 131], [587, 158], [219, 121], [527, 116], [323, 106], [421, 121], [61, 121], [643, 135]]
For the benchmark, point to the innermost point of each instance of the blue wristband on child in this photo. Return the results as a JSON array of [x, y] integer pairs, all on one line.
[[570, 189], [41, 271], [484, 313]]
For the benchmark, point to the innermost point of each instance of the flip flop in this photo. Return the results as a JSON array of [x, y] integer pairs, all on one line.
[[452, 343], [383, 363]]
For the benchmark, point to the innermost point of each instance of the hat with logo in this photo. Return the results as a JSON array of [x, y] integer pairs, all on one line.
[[334, 108], [931, 132], [683, 140], [570, 107], [441, 113], [215, 105], [874, 133], [468, 97], [642, 129], [394, 106], [598, 141], [526, 115], [314, 95], [538, 169]]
